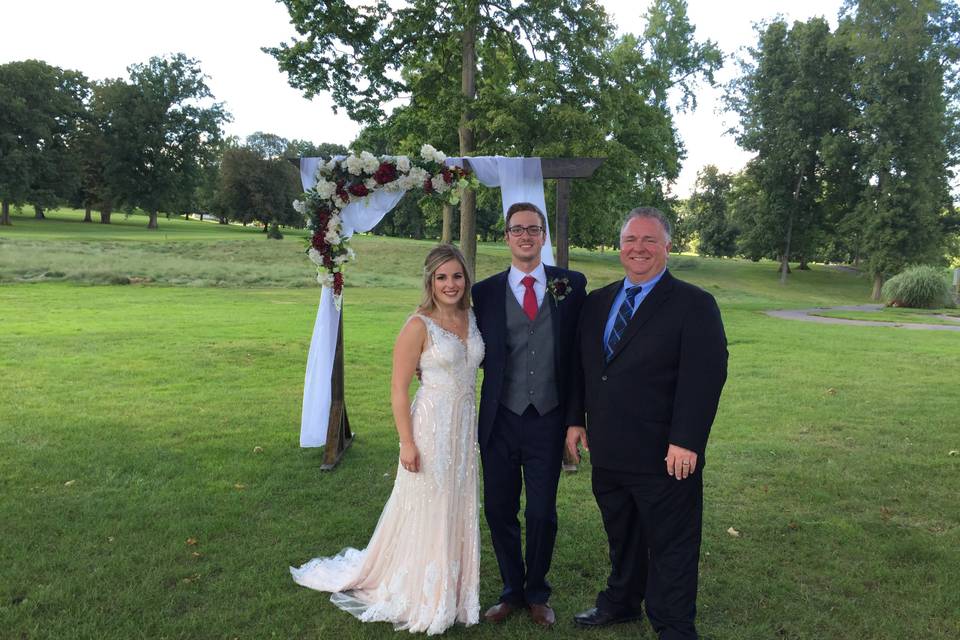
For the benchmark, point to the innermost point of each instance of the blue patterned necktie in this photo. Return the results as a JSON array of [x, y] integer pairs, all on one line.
[[623, 317]]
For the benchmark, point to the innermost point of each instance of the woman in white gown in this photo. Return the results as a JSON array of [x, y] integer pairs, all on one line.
[[420, 569]]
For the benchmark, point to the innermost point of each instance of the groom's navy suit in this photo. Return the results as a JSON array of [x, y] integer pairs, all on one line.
[[519, 443]]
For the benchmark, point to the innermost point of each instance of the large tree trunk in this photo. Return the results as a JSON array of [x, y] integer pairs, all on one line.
[[446, 235], [804, 265], [5, 213], [86, 214], [877, 287], [38, 212], [468, 88], [153, 221], [785, 258], [105, 214], [222, 220]]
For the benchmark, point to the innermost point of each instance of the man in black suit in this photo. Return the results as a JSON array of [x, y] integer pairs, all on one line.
[[652, 360], [527, 316]]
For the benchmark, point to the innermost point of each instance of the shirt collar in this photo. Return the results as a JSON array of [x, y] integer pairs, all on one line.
[[515, 276], [647, 286]]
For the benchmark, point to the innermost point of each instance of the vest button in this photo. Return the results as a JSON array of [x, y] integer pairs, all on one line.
[[604, 378]]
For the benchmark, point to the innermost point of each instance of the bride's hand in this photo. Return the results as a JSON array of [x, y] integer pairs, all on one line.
[[409, 457]]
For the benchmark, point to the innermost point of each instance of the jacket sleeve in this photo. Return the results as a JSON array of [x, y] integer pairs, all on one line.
[[701, 376]]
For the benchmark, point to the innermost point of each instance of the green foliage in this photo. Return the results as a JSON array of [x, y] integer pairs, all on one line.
[[161, 134], [919, 286], [905, 58], [254, 188], [708, 208], [42, 109], [792, 101]]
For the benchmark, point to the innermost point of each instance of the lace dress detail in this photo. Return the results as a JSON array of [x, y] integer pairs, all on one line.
[[421, 568]]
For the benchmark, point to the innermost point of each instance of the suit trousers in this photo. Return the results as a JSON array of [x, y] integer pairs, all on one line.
[[523, 450], [653, 524]]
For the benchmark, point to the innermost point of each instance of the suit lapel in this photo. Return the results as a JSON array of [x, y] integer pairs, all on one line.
[[649, 306], [498, 308]]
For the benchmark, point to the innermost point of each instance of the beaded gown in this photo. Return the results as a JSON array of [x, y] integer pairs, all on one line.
[[421, 568]]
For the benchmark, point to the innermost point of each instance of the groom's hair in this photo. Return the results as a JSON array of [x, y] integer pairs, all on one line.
[[439, 255], [525, 206], [647, 212]]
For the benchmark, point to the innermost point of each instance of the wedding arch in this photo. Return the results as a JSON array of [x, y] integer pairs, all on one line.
[[351, 194]]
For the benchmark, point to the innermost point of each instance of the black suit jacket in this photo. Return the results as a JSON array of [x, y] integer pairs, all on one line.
[[662, 385], [489, 307]]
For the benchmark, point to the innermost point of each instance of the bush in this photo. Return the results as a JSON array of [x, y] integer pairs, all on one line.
[[920, 287], [274, 232]]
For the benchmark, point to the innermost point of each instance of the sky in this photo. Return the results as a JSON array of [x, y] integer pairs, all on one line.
[[102, 37]]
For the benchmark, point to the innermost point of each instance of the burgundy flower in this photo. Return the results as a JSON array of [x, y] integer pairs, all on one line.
[[338, 283], [427, 186], [318, 242], [342, 192], [386, 173], [359, 189], [447, 175]]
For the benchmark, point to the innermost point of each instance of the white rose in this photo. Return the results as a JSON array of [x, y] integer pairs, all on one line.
[[427, 152], [370, 162], [418, 175], [370, 184], [325, 189], [300, 207], [332, 237], [439, 184], [315, 257], [354, 165], [403, 164]]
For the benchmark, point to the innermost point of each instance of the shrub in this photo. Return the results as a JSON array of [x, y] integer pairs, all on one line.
[[920, 287]]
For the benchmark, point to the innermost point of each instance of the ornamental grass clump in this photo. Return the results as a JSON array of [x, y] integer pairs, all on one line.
[[919, 287]]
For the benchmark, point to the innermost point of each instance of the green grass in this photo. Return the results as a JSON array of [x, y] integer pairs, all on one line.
[[899, 316], [830, 453]]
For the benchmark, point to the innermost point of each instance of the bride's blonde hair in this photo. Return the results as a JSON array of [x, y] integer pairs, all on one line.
[[439, 255]]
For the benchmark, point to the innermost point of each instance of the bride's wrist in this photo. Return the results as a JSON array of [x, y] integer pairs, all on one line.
[[403, 442]]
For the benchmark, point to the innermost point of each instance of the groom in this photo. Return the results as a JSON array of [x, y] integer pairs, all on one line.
[[528, 317]]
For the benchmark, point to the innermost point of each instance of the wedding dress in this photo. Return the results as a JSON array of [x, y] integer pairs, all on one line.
[[421, 568]]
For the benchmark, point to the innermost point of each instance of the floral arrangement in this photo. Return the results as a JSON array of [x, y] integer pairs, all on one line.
[[349, 179]]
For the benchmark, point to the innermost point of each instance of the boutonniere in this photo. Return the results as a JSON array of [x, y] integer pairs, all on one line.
[[558, 288]]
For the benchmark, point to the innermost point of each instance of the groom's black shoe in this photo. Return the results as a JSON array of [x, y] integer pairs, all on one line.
[[601, 618]]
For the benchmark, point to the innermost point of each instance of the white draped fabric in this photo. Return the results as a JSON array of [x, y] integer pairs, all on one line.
[[519, 179]]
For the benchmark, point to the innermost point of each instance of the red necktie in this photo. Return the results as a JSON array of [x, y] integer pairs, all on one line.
[[529, 297]]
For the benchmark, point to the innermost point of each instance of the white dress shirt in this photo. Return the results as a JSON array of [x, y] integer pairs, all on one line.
[[539, 287]]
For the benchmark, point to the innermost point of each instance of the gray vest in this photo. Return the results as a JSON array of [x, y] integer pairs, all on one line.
[[530, 374]]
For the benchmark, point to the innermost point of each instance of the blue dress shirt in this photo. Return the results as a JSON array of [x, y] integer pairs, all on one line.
[[622, 295]]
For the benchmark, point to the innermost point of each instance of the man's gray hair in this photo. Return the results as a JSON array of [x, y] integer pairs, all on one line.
[[647, 212]]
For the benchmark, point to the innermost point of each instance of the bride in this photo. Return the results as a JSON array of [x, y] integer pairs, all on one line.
[[420, 570]]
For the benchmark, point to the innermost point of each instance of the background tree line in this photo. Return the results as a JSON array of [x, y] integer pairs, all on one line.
[[855, 134]]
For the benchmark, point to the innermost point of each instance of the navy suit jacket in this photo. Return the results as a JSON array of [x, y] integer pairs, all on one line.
[[489, 307], [662, 386]]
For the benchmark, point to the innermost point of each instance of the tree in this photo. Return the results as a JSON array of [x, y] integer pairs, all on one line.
[[791, 97], [268, 145], [441, 55], [43, 107], [906, 55], [253, 188], [710, 218], [162, 130]]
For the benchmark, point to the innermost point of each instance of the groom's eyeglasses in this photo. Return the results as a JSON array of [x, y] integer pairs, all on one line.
[[518, 230]]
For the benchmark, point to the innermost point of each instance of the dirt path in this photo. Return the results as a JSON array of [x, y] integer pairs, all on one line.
[[805, 315]]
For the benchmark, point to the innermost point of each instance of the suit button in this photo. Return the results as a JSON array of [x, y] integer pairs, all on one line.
[[604, 378], [531, 373]]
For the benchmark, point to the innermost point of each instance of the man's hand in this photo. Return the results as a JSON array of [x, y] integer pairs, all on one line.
[[681, 463], [576, 436]]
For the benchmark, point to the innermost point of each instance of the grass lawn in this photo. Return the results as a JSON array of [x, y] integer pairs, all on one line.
[[151, 483]]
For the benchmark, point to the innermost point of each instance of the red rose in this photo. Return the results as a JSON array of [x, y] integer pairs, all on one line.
[[338, 283], [359, 189], [427, 186], [385, 173], [318, 242], [447, 176]]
